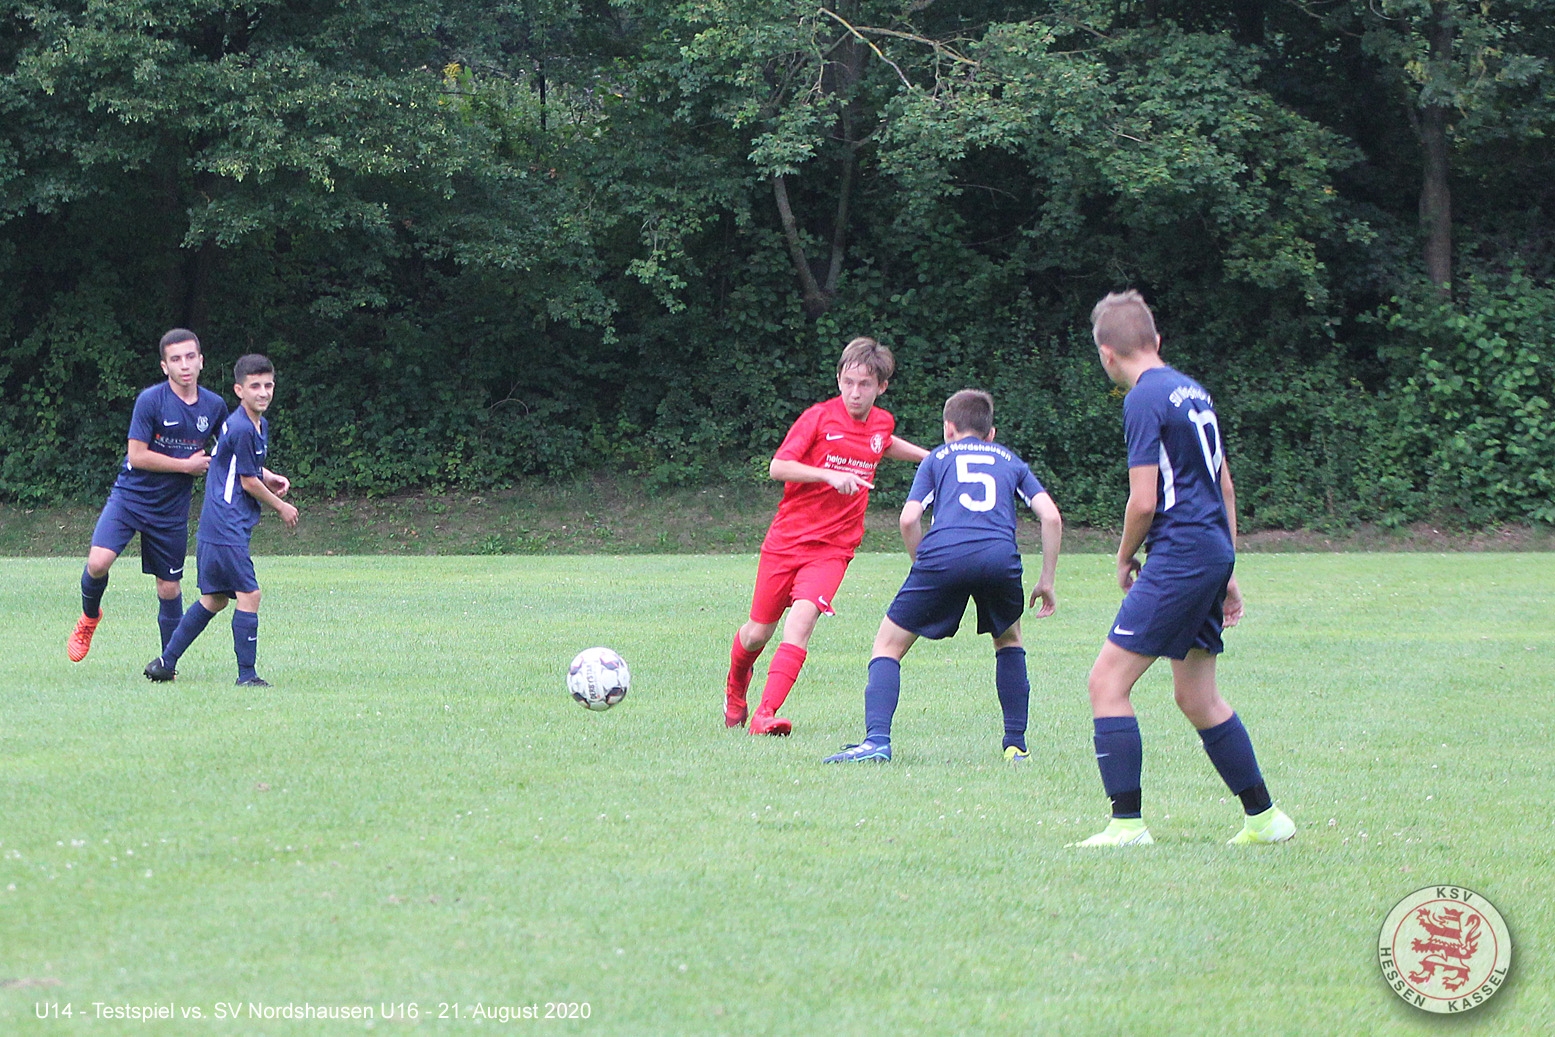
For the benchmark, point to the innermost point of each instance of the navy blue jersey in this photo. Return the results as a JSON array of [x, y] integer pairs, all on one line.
[[972, 486], [167, 425], [1169, 421], [230, 514]]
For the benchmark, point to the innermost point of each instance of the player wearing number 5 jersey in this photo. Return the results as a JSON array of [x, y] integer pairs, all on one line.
[[1182, 509], [827, 465], [972, 484]]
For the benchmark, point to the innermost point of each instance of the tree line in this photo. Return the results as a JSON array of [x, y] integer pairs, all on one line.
[[484, 242]]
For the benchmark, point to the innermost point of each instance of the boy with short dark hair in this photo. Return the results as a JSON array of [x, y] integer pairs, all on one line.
[[971, 484], [169, 428], [827, 464], [1182, 509], [237, 484]]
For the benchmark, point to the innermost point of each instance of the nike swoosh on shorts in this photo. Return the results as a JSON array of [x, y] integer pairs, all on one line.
[[1120, 630]]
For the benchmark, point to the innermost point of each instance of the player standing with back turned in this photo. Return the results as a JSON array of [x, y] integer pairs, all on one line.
[[1182, 508], [827, 464], [972, 484]]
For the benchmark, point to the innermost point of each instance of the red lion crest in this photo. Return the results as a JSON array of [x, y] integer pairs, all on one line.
[[1451, 941]]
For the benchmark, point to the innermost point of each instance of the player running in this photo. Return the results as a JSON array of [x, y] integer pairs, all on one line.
[[1182, 509], [827, 464], [238, 482], [971, 484], [169, 428]]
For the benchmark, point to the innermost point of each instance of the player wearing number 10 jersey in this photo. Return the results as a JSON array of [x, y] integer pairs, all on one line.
[[971, 483], [1182, 508]]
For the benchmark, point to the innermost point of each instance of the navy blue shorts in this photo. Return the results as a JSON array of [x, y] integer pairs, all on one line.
[[1172, 609], [933, 598], [224, 569], [163, 545]]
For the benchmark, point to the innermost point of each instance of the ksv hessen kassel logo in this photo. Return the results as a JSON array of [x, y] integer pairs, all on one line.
[[876, 443], [1445, 949]]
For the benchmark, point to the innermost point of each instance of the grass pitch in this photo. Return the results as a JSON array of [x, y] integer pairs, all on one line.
[[418, 815]]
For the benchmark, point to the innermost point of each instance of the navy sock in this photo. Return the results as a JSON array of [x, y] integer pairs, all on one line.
[[1009, 668], [1120, 756], [245, 641], [189, 628], [92, 588], [880, 697], [169, 612], [1231, 751]]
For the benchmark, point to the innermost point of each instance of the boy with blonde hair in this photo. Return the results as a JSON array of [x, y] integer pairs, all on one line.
[[827, 465], [1182, 509]]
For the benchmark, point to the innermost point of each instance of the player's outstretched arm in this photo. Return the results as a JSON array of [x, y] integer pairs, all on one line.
[[901, 450], [911, 525], [255, 487], [845, 483], [1137, 516], [144, 459], [1052, 539]]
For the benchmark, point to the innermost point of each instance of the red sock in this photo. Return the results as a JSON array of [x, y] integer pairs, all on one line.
[[741, 659], [781, 675]]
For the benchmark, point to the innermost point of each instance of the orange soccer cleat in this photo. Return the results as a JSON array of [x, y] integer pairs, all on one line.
[[81, 637]]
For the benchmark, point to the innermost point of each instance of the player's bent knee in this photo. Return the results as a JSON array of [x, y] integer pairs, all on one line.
[[99, 560], [754, 636]]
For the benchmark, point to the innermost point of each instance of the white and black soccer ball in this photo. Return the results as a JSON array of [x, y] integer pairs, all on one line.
[[598, 678]]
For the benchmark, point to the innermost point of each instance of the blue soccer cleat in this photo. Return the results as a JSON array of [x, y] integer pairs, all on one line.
[[860, 752]]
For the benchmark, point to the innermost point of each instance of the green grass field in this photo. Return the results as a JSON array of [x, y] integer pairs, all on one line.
[[417, 812]]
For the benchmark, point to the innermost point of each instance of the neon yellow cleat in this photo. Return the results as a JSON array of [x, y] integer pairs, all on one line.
[[1120, 831], [1271, 826], [1015, 754]]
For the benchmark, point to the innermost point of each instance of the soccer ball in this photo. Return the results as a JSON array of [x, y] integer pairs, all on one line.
[[598, 678]]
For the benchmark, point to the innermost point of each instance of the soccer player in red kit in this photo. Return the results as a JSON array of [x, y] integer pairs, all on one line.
[[827, 464]]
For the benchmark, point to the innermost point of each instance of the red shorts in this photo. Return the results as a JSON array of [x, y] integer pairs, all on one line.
[[782, 579]]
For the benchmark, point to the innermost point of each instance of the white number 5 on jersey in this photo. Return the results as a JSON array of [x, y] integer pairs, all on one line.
[[967, 477]]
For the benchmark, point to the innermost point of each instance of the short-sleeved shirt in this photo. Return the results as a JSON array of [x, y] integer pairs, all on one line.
[[972, 485], [1169, 421], [230, 513], [167, 425], [812, 515]]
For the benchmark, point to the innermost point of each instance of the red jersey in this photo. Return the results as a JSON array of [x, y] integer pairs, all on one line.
[[813, 515]]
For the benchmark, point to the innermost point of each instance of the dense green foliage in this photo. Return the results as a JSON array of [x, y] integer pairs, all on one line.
[[485, 241]]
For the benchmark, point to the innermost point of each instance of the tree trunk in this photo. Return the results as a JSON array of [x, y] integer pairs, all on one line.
[[815, 301], [1435, 194]]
